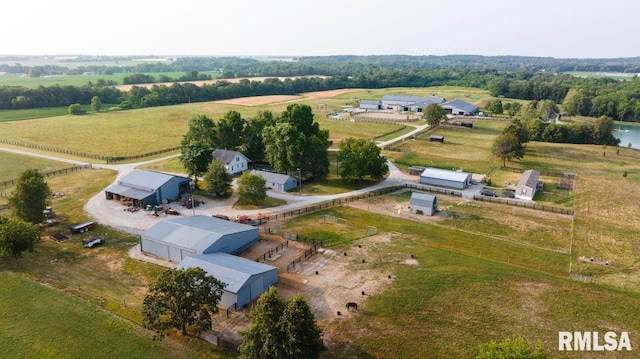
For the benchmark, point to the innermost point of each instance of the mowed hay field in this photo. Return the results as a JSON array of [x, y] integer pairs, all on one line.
[[132, 132]]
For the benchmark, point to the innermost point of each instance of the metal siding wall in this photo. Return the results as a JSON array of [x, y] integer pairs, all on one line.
[[228, 299], [155, 248], [441, 183], [175, 254], [232, 243]]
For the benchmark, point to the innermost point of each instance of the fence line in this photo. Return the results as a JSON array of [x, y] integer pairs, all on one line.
[[108, 159], [542, 173], [49, 174], [531, 205], [272, 251]]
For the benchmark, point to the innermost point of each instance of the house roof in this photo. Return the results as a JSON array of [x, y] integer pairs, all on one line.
[[422, 199], [232, 270], [445, 174], [272, 177], [529, 179], [464, 106], [196, 233], [226, 156]]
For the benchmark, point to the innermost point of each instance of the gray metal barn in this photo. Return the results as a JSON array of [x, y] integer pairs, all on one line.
[[245, 279], [445, 178], [148, 187], [370, 104], [177, 238], [277, 181], [422, 203], [460, 108]]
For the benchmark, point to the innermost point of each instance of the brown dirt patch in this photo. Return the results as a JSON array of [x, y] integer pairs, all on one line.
[[259, 100]]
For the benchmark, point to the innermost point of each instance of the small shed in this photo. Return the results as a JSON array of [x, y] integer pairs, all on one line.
[[277, 181], [245, 279], [148, 187], [234, 161], [422, 203], [466, 123], [177, 238], [528, 184], [436, 138], [445, 178]]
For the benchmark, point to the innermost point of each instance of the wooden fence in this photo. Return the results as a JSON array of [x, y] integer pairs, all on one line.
[[531, 205], [108, 159], [272, 251], [49, 174]]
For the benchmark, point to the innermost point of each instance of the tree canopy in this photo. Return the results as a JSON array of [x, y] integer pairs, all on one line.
[[181, 298], [217, 179], [359, 158], [506, 146], [195, 157], [251, 188], [29, 199], [17, 236], [281, 329], [434, 114]]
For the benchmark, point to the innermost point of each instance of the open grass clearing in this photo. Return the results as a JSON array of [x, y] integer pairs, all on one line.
[[28, 114], [13, 165], [82, 80], [42, 322]]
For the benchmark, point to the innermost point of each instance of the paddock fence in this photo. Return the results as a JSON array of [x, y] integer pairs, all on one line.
[[49, 174], [108, 159]]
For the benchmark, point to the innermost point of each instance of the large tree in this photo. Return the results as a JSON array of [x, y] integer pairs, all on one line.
[[251, 188], [507, 147], [359, 158], [281, 329], [29, 199], [253, 146], [96, 104], [434, 114], [217, 179], [201, 129], [195, 158], [230, 131], [17, 236], [284, 146], [495, 107], [181, 298]]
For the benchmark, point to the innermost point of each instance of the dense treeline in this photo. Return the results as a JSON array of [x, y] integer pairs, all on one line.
[[619, 100]]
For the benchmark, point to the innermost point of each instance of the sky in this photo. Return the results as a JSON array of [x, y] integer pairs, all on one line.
[[545, 28]]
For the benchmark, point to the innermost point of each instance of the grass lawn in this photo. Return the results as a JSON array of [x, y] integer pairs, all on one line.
[[38, 321], [13, 165], [266, 203], [18, 115]]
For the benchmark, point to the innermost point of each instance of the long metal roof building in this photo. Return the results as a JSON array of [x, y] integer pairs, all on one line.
[[245, 279]]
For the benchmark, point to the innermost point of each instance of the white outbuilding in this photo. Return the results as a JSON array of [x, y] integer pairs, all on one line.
[[528, 184], [234, 161], [445, 178]]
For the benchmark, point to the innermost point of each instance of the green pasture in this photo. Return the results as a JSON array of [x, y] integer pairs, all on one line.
[[39, 321], [81, 80], [442, 304], [12, 165], [122, 133], [465, 242], [465, 148], [28, 114]]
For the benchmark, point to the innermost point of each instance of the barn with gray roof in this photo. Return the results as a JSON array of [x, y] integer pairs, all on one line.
[[460, 108], [277, 181], [245, 279], [422, 203], [148, 187], [409, 103], [177, 238], [445, 178]]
